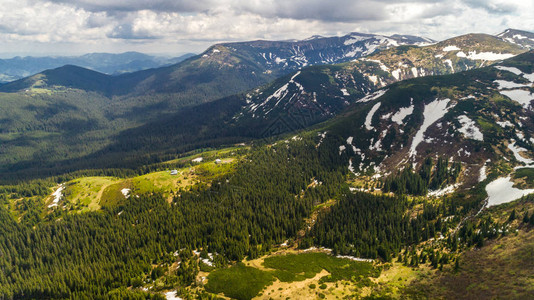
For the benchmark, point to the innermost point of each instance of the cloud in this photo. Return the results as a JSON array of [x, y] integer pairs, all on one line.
[[184, 25], [138, 5], [494, 6], [127, 31], [340, 11]]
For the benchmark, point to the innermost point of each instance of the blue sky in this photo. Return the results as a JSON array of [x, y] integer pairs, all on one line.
[[62, 27]]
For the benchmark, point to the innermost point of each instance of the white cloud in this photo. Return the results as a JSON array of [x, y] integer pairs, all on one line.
[[178, 26]]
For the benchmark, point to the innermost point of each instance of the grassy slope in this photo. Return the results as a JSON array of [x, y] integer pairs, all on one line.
[[503, 268], [90, 193]]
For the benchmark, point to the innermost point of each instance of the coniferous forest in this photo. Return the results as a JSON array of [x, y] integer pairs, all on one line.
[[241, 215]]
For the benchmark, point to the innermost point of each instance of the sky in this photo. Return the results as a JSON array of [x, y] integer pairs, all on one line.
[[172, 27]]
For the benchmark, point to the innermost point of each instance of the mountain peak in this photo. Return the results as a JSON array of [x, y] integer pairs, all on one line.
[[522, 38]]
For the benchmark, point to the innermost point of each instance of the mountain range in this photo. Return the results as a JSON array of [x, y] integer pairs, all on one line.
[[19, 67], [354, 166], [292, 102]]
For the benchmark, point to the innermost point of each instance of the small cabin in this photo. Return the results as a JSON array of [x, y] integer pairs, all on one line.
[[174, 172]]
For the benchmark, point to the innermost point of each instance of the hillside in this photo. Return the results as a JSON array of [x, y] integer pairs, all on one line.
[[290, 103], [326, 91], [139, 99], [394, 187], [313, 94], [479, 118], [229, 68]]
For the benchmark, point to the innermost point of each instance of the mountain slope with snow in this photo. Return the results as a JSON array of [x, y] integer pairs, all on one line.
[[520, 37], [275, 56], [467, 117], [323, 91]]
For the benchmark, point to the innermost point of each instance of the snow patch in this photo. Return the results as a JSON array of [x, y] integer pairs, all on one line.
[[505, 124], [529, 77], [444, 191], [126, 193], [369, 117], [517, 150], [279, 60], [514, 70], [522, 97], [280, 93], [372, 96], [345, 92], [431, 113], [473, 55], [502, 191], [451, 48], [402, 114], [354, 39], [415, 72], [373, 79], [321, 135], [354, 258], [351, 167], [172, 296], [396, 73], [469, 129], [449, 62], [482, 173], [503, 84], [57, 195]]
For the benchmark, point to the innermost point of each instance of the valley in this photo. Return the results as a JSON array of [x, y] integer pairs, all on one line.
[[358, 166]]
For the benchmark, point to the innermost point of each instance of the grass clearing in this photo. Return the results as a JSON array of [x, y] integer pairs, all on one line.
[[163, 182], [290, 274], [91, 193], [239, 281], [297, 267], [395, 277], [86, 192]]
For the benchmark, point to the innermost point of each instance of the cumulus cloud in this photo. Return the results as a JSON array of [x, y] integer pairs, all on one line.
[[138, 5], [494, 6], [186, 25]]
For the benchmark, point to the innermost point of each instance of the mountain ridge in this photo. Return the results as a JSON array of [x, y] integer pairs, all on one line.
[[108, 63]]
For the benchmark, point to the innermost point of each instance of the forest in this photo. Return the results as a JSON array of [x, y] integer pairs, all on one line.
[[242, 215]]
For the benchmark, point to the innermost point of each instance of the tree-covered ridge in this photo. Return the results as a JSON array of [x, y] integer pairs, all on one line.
[[244, 214]]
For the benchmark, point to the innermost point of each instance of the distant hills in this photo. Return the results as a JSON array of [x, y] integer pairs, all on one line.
[[108, 63], [235, 64]]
